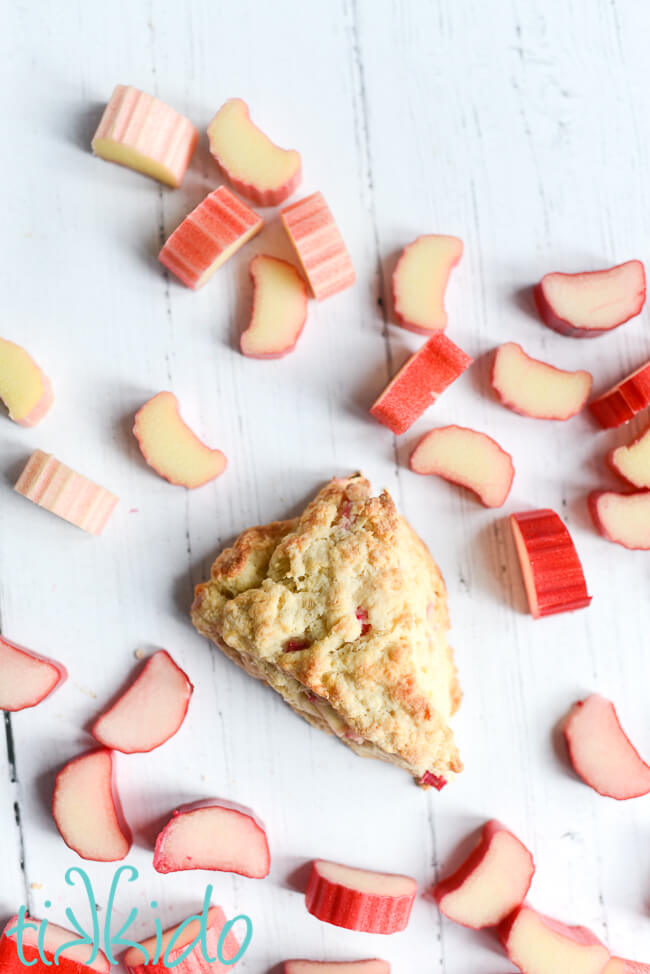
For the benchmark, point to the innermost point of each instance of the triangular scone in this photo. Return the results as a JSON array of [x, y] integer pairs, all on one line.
[[344, 612]]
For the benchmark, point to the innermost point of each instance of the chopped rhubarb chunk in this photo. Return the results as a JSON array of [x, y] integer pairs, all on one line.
[[358, 899], [622, 518], [534, 388], [591, 303], [279, 309], [24, 389], [319, 246], [431, 780], [622, 402], [295, 645], [420, 280], [632, 462], [25, 677], [537, 944], [467, 458], [42, 943], [171, 951], [373, 966]]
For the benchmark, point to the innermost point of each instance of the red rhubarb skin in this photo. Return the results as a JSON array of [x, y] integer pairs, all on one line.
[[564, 327], [345, 907], [579, 935], [610, 460], [559, 580], [195, 963], [419, 383], [59, 674], [622, 403], [10, 962]]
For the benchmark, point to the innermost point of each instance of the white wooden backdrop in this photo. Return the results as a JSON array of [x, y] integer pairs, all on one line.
[[520, 125]]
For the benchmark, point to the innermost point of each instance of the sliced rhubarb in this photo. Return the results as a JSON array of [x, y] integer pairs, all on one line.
[[419, 383], [141, 132], [215, 835], [373, 966], [591, 303], [25, 677], [550, 566], [632, 462], [536, 944], [319, 246], [491, 883], [279, 308], [534, 388], [622, 402], [619, 966], [215, 230], [87, 811], [171, 448], [62, 491], [150, 711], [601, 753], [468, 458], [257, 168], [358, 899], [24, 389], [622, 518], [74, 959], [420, 280], [160, 955]]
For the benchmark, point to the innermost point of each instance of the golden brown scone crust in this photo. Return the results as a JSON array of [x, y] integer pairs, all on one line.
[[351, 582]]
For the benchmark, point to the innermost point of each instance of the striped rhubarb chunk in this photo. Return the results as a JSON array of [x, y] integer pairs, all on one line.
[[50, 484], [359, 899], [319, 246], [143, 133], [219, 226], [621, 403]]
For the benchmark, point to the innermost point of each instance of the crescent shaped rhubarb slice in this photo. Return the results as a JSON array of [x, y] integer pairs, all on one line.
[[537, 944], [76, 958], [87, 811], [534, 388], [208, 236], [550, 566], [420, 280], [279, 308], [622, 518], [622, 402], [591, 303], [632, 462], [319, 245], [215, 835], [143, 133], [257, 168], [171, 448], [50, 484], [359, 899], [468, 458], [492, 882], [601, 752], [24, 389], [150, 711], [171, 951], [25, 677], [419, 382], [373, 966]]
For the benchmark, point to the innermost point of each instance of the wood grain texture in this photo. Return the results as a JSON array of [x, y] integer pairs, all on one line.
[[522, 128]]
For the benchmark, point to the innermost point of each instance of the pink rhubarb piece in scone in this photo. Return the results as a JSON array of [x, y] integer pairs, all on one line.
[[24, 389], [215, 230], [62, 491], [319, 246], [143, 133]]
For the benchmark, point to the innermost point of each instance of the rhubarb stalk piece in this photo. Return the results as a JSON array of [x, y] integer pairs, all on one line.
[[279, 308], [142, 133], [619, 966], [419, 382], [215, 230], [75, 959], [537, 944], [534, 388], [622, 518], [591, 303], [468, 458], [62, 491], [550, 566], [25, 677], [632, 462], [622, 402], [160, 955], [420, 280], [257, 168], [319, 245], [373, 966], [24, 389], [358, 899]]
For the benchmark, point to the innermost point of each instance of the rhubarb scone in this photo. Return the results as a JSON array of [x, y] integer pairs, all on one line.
[[344, 612]]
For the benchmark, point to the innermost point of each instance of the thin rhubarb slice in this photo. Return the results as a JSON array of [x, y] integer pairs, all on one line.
[[419, 382], [550, 565], [622, 518], [171, 448], [373, 966], [257, 168], [624, 401], [216, 835], [534, 388], [468, 458], [158, 955], [591, 303], [601, 752], [537, 944], [52, 485], [632, 462], [150, 711], [143, 133], [359, 899], [319, 245], [215, 230], [25, 677], [279, 308], [492, 882], [420, 280], [24, 389], [76, 958], [618, 965], [87, 811]]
